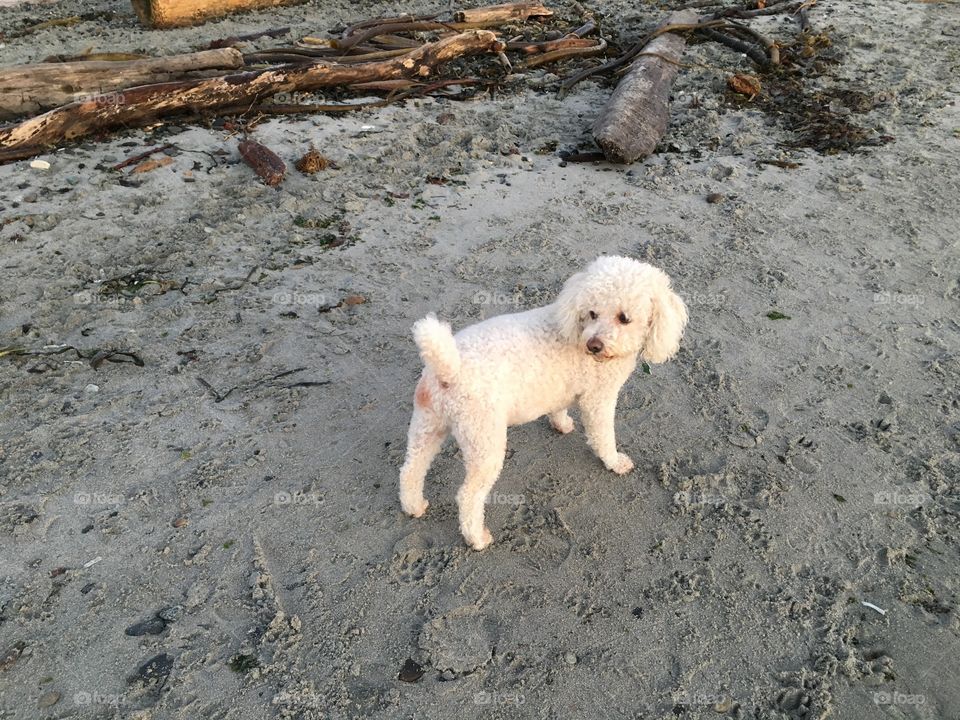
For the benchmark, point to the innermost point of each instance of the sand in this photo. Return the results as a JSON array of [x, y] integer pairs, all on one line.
[[216, 533]]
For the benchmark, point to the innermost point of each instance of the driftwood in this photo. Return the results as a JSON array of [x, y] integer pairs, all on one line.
[[264, 161], [562, 53], [499, 13], [533, 48], [29, 89], [148, 103], [636, 116], [141, 156], [177, 13]]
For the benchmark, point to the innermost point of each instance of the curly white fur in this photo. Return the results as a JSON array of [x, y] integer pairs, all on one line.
[[512, 369]]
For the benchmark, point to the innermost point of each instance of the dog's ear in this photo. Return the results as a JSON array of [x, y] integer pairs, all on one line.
[[668, 317], [566, 308]]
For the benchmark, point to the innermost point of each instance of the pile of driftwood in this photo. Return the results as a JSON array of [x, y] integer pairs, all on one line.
[[398, 56]]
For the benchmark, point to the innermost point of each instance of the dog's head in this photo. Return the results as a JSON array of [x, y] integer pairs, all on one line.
[[618, 307]]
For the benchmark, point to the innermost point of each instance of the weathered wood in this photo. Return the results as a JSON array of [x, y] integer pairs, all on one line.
[[637, 114], [29, 89], [264, 161], [148, 103], [178, 13], [506, 11], [533, 48]]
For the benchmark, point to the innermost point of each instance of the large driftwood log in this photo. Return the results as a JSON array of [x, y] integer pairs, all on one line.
[[148, 103], [29, 89], [177, 13], [637, 114]]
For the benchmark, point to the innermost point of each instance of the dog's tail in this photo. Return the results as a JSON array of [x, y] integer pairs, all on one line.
[[438, 349]]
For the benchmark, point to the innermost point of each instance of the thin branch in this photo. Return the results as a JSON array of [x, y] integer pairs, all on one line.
[[754, 52]]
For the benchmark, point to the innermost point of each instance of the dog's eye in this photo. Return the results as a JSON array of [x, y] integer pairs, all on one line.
[[622, 317], [593, 315]]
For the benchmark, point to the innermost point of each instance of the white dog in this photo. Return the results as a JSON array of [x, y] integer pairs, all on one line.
[[515, 368]]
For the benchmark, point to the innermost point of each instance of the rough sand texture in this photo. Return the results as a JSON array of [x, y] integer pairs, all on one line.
[[787, 470]]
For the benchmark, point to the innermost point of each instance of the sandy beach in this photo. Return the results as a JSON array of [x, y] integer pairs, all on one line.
[[214, 531]]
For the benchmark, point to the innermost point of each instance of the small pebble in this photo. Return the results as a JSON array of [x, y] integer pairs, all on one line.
[[91, 388], [40, 165], [171, 614], [714, 198], [570, 658], [48, 699], [410, 672]]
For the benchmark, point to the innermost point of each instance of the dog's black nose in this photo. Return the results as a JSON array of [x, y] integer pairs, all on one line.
[[594, 345]]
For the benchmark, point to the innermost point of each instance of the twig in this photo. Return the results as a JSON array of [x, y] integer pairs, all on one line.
[[385, 21], [142, 156], [390, 29], [219, 397], [565, 53], [583, 157], [533, 48], [771, 47], [584, 29], [775, 9], [754, 52], [394, 96], [677, 62], [56, 22], [234, 39], [803, 15]]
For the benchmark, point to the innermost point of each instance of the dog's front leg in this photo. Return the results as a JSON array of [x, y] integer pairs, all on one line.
[[598, 413]]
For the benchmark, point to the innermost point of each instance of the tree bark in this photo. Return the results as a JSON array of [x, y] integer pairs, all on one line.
[[29, 89], [636, 117], [148, 103], [177, 13]]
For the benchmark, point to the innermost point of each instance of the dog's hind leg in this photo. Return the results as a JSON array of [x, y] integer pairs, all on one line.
[[483, 451], [424, 440]]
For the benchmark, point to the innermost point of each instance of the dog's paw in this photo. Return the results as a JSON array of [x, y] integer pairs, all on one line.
[[415, 509], [480, 543], [623, 465], [563, 426]]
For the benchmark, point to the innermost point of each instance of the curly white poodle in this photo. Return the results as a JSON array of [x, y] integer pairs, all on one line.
[[512, 369]]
